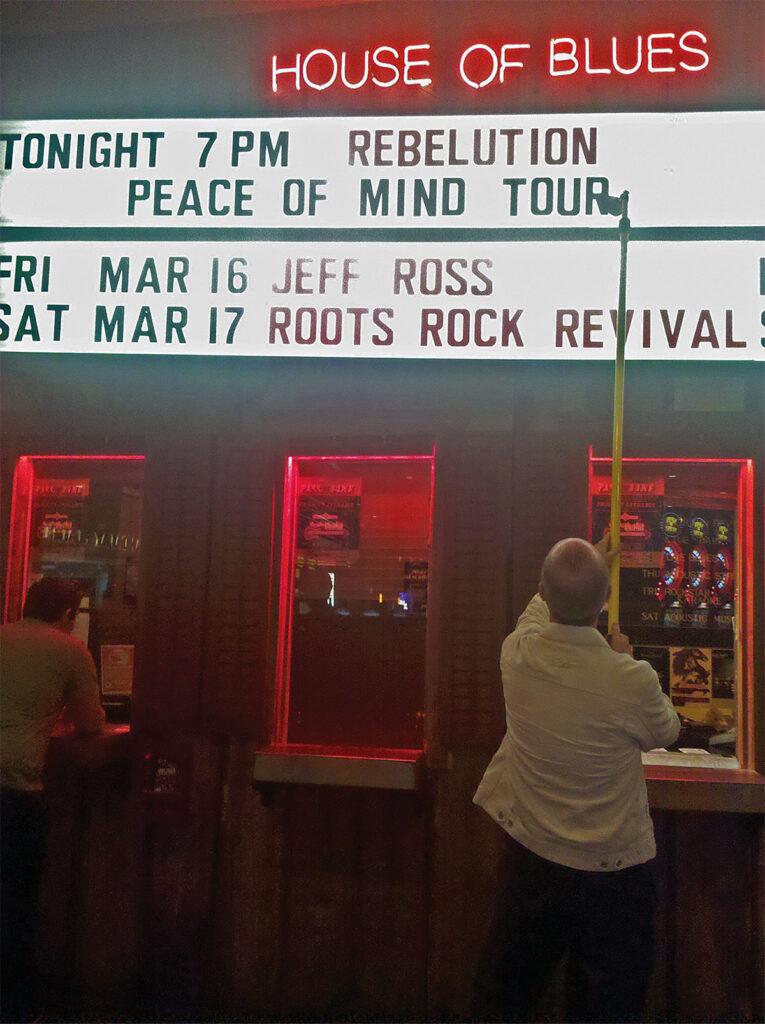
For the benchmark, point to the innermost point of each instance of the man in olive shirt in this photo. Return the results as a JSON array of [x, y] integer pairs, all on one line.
[[42, 671], [567, 787]]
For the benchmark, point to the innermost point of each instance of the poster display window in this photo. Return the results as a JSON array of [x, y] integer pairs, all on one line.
[[685, 585], [80, 518], [354, 582]]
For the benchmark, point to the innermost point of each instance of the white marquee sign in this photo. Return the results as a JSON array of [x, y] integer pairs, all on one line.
[[407, 237], [515, 300], [516, 170]]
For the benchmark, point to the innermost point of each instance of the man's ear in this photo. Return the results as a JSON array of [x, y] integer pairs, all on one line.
[[68, 618], [541, 589]]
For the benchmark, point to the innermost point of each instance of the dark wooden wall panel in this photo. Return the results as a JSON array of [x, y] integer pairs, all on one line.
[[336, 962], [321, 874], [60, 889], [474, 515], [549, 502], [181, 866], [464, 883], [170, 646], [716, 976], [91, 892], [323, 902], [345, 903], [246, 947], [109, 904], [392, 910], [660, 998], [236, 652]]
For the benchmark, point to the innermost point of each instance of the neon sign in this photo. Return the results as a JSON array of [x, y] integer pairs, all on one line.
[[384, 66], [484, 64]]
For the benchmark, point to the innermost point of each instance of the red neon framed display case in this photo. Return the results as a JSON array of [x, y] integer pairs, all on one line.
[[80, 517], [686, 595], [354, 575]]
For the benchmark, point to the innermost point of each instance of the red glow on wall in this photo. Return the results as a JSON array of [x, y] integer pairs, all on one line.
[[391, 519], [363, 458], [85, 458], [673, 458]]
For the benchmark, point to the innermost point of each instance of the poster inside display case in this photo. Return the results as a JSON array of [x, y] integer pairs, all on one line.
[[80, 518], [685, 585]]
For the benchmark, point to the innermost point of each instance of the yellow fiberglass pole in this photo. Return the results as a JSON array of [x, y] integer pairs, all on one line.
[[618, 432]]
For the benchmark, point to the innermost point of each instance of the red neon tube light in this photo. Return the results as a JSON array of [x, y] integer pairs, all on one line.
[[671, 458], [284, 626], [364, 458], [90, 458], [746, 505], [23, 476]]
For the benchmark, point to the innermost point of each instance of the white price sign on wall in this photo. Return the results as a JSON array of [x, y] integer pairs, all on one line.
[[474, 300], [465, 172]]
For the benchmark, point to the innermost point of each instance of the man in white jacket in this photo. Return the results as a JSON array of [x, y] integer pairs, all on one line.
[[567, 787]]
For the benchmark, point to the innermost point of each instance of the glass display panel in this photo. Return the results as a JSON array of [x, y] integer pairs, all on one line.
[[685, 587], [355, 575], [81, 518]]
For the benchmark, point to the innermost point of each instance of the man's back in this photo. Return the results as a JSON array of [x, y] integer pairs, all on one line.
[[42, 669], [567, 781], [567, 786]]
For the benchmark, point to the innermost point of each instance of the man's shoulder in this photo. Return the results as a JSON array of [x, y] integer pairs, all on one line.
[[42, 636], [73, 644], [25, 631], [10, 628]]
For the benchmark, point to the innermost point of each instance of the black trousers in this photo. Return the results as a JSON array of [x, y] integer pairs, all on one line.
[[602, 920], [22, 854]]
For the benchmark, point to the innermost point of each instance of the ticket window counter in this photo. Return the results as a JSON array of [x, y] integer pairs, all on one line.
[[352, 618], [686, 598], [79, 517]]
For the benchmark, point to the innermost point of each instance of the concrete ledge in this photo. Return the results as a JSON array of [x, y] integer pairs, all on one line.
[[705, 789], [393, 770]]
